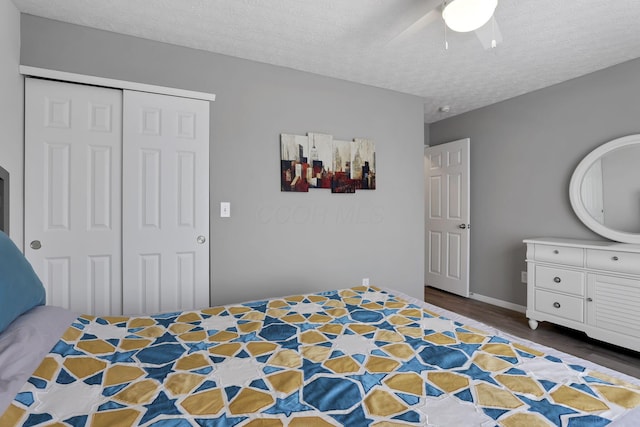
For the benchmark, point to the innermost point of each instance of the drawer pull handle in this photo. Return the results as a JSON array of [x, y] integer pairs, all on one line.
[[555, 251], [615, 258], [557, 279], [556, 304]]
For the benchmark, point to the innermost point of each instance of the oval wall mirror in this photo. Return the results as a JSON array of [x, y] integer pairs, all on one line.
[[605, 190]]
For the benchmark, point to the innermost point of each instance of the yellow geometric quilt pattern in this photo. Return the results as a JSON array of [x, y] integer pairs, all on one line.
[[354, 357]]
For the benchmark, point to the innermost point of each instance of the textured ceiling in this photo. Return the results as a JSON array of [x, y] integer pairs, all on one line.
[[544, 41]]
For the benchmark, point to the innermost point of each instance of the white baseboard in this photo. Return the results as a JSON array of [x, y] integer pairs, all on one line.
[[498, 302]]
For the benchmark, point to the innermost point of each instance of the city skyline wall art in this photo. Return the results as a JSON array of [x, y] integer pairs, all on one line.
[[317, 160]]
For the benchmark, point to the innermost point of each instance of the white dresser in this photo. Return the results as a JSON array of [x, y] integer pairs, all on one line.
[[590, 286]]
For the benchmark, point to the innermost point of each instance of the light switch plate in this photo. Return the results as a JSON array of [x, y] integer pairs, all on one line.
[[225, 209]]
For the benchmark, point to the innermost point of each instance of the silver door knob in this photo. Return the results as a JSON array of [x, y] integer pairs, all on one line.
[[201, 239], [35, 245], [463, 226]]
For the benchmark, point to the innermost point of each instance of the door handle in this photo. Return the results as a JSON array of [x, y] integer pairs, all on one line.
[[464, 226], [35, 245], [201, 239]]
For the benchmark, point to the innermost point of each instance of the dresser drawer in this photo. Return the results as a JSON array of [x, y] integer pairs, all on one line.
[[619, 262], [559, 255], [565, 306], [560, 279]]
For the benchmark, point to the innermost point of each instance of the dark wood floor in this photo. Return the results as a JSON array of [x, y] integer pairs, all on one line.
[[558, 337]]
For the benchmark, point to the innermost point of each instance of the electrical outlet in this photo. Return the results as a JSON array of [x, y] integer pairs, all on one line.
[[365, 281], [523, 276]]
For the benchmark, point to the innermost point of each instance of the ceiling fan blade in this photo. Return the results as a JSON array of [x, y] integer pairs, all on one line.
[[488, 33], [417, 26], [390, 21]]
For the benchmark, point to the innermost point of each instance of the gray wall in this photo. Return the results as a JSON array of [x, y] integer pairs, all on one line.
[[523, 152], [276, 243], [11, 114], [426, 134]]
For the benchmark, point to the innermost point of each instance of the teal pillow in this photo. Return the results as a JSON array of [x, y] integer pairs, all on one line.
[[20, 288]]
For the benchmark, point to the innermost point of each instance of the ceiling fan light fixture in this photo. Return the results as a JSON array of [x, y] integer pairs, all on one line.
[[468, 15]]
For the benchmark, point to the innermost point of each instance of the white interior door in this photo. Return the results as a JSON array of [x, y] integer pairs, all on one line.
[[165, 203], [447, 217], [72, 193]]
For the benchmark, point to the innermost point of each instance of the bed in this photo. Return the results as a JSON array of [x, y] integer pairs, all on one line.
[[362, 356], [357, 357]]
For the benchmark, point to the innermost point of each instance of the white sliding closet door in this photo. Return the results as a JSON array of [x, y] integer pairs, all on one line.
[[117, 198], [73, 230], [165, 203]]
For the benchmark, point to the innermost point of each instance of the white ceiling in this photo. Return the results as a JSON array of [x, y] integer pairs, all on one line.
[[544, 41]]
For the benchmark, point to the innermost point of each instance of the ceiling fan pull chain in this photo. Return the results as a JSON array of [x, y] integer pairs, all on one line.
[[493, 32], [446, 42]]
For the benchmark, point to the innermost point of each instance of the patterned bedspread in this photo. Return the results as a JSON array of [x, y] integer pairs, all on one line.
[[353, 357]]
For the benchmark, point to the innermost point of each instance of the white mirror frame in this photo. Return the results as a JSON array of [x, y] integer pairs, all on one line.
[[575, 193]]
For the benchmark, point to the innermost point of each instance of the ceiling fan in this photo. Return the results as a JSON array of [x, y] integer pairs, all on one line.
[[457, 15]]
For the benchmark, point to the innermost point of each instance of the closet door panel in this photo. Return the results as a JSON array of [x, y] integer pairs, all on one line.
[[73, 136], [165, 203]]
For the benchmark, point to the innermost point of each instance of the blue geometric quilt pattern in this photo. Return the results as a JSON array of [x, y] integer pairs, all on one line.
[[353, 357]]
